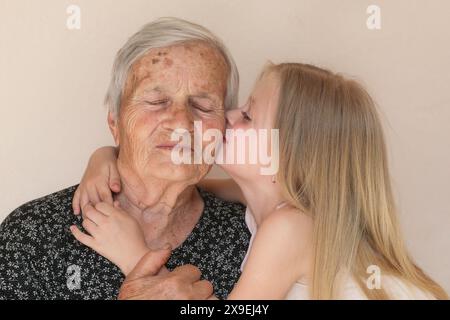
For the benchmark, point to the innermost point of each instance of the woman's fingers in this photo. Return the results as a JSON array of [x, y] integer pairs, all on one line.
[[114, 178], [150, 264], [163, 271], [82, 237], [189, 272], [204, 288]]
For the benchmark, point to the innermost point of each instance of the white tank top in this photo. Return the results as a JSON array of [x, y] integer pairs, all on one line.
[[350, 291]]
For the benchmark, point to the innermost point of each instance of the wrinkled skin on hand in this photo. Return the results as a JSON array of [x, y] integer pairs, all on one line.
[[149, 280]]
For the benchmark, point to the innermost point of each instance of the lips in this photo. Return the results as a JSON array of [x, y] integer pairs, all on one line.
[[171, 145], [166, 146]]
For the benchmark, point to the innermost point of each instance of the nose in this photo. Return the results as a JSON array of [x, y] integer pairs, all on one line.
[[232, 117], [180, 118]]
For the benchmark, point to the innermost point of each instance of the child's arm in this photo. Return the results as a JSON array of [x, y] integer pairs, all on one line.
[[225, 189], [100, 178], [113, 234], [278, 257]]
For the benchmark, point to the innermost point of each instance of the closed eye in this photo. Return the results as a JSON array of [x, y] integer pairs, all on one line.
[[199, 107], [245, 116], [157, 102]]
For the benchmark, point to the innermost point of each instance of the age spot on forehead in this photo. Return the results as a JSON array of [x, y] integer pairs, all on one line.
[[189, 46], [204, 63], [168, 62]]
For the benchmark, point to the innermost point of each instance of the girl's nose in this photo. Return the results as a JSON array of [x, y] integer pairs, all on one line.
[[232, 117]]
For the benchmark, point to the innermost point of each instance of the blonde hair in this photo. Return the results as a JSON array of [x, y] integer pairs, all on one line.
[[333, 166]]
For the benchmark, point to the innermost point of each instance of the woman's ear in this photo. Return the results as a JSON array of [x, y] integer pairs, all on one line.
[[113, 126]]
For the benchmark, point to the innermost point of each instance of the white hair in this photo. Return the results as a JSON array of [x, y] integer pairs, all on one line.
[[165, 32]]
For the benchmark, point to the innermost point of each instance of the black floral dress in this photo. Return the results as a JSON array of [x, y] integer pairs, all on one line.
[[40, 259]]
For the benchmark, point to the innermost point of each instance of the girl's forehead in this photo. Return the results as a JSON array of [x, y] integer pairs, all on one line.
[[266, 89], [263, 102], [267, 82]]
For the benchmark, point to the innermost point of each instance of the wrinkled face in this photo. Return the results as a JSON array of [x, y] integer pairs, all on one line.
[[256, 115], [167, 89]]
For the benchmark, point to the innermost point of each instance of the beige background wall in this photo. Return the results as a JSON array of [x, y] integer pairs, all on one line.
[[52, 82]]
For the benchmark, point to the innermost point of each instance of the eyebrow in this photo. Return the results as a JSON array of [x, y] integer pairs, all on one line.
[[201, 95], [204, 95], [157, 89]]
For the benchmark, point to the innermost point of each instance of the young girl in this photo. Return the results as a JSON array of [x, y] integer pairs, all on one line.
[[324, 227]]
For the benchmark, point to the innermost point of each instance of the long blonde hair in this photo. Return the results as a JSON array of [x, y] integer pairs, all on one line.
[[333, 166]]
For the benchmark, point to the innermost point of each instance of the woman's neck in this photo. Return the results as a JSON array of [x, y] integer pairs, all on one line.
[[262, 196], [167, 211]]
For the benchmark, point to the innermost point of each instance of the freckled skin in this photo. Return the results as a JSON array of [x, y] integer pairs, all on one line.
[[168, 62], [186, 71]]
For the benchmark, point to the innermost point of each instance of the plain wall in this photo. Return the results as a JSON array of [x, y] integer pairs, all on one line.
[[53, 80]]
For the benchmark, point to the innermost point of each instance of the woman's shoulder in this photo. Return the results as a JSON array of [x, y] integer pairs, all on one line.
[[219, 207], [222, 217], [46, 214]]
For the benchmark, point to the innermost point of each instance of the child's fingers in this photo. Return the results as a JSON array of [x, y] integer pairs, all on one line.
[[89, 226], [95, 216], [105, 194], [76, 202], [93, 194], [114, 178], [105, 208], [82, 237], [84, 201]]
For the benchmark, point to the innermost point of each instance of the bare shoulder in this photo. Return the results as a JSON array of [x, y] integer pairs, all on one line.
[[283, 244], [289, 221], [289, 228]]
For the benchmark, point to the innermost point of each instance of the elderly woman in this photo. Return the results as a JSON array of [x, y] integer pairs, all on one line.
[[168, 75]]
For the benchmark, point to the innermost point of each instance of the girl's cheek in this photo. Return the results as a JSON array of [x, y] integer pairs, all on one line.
[[243, 125], [230, 126], [234, 121]]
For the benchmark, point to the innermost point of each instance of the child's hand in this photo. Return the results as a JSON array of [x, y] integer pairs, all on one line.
[[100, 178], [113, 234]]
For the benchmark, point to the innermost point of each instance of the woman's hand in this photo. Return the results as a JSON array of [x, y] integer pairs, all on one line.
[[147, 282], [100, 179], [113, 234]]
